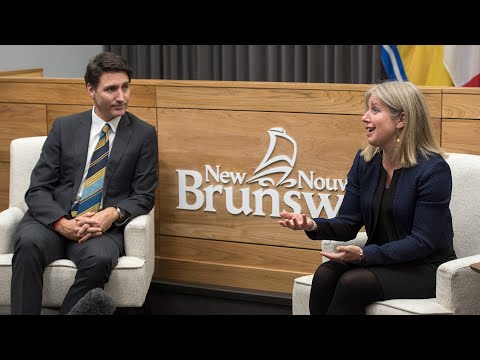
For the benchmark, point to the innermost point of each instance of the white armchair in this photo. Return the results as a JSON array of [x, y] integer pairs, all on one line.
[[130, 279], [458, 286]]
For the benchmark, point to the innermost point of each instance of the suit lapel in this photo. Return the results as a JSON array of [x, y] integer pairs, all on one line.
[[122, 137], [80, 149]]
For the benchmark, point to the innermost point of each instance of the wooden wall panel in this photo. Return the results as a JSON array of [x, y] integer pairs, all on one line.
[[461, 106], [226, 252], [19, 120], [142, 96], [434, 102], [331, 101], [54, 111], [35, 72], [148, 115], [461, 136], [4, 183], [307, 101], [225, 275], [195, 260], [195, 139], [44, 92], [437, 129]]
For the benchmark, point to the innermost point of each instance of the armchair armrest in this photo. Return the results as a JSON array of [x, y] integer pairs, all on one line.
[[458, 286], [331, 245], [9, 220], [139, 237]]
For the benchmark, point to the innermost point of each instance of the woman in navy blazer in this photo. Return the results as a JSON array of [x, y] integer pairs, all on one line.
[[399, 188]]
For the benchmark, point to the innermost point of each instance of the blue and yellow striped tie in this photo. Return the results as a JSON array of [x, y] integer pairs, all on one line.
[[93, 185]]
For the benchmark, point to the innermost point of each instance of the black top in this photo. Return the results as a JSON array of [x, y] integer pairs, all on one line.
[[385, 229]]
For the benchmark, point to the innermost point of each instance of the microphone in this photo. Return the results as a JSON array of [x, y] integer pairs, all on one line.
[[94, 302]]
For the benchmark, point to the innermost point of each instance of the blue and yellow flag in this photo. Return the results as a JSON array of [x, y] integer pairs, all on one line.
[[422, 65]]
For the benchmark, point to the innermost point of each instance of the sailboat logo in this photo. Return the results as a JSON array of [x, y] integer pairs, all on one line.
[[264, 171]]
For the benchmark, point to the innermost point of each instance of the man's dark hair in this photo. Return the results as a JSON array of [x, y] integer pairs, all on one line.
[[105, 62]]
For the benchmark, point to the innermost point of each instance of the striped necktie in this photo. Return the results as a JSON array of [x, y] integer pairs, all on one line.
[[93, 185]]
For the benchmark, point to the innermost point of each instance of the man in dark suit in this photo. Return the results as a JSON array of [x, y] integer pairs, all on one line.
[[54, 227]]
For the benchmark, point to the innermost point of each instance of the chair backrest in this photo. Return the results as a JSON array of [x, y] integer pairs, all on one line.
[[24, 155], [465, 203]]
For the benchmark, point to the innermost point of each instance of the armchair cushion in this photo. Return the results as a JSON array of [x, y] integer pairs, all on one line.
[[301, 291], [407, 307]]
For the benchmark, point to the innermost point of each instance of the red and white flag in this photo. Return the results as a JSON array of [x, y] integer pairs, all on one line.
[[463, 64]]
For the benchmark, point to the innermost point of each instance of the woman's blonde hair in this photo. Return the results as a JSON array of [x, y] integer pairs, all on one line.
[[417, 134]]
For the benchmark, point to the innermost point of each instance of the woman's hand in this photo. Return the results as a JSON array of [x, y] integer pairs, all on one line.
[[296, 221], [345, 253]]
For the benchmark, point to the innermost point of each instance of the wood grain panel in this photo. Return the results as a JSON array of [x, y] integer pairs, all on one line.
[[44, 93], [4, 184], [149, 115], [437, 129], [65, 93], [237, 142], [434, 102], [278, 100], [23, 73], [20, 120], [461, 136], [142, 96], [250, 255], [225, 275], [273, 99], [54, 111], [461, 106], [292, 86], [258, 84]]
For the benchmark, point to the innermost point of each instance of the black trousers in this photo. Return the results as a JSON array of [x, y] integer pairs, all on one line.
[[343, 289], [37, 246]]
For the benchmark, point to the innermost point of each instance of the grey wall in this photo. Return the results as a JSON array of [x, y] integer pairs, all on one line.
[[66, 61]]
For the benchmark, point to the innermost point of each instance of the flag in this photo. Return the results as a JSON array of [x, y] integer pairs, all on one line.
[[392, 63], [463, 64], [422, 65]]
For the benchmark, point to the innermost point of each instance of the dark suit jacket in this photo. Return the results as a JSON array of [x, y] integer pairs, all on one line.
[[131, 175], [420, 207]]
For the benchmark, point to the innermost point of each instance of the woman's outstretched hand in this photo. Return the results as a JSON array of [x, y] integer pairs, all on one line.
[[296, 221]]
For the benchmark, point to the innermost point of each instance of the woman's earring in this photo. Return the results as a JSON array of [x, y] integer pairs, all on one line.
[[398, 140]]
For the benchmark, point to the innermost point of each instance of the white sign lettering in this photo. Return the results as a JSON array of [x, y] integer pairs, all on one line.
[[201, 192]]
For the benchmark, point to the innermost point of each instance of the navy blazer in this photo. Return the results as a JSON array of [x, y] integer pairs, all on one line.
[[420, 208], [131, 175]]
